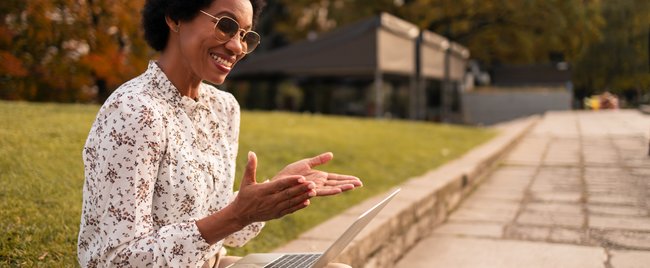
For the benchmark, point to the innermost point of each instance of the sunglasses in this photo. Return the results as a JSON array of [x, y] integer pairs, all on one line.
[[225, 28]]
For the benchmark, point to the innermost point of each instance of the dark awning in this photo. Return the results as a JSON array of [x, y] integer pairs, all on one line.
[[384, 44]]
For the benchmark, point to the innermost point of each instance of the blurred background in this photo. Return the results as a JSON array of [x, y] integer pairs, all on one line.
[[458, 61]]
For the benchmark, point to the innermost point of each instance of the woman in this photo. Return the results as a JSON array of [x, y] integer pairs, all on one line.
[[160, 158]]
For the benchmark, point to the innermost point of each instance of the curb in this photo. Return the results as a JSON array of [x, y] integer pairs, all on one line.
[[424, 203]]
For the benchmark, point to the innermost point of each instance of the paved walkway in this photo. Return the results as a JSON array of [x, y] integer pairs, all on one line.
[[574, 193]]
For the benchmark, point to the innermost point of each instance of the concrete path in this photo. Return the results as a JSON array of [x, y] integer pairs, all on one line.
[[574, 193]]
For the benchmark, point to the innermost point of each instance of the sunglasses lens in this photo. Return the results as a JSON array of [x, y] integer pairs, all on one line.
[[226, 28], [251, 40]]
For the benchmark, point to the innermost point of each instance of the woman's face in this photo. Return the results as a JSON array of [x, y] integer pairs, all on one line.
[[208, 58]]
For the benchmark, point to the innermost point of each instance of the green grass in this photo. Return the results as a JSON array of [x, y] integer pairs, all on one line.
[[41, 171]]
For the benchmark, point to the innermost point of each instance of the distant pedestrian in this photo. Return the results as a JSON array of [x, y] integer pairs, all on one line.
[[608, 101]]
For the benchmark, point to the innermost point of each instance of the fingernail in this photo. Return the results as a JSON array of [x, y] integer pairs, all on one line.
[[312, 193], [301, 179], [311, 185]]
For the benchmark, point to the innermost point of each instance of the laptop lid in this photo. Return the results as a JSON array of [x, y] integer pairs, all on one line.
[[344, 239]]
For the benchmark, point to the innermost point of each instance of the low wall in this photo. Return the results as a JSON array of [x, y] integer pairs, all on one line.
[[499, 105], [424, 202]]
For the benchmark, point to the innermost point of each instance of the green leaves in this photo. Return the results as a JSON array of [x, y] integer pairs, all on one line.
[[506, 31], [620, 61]]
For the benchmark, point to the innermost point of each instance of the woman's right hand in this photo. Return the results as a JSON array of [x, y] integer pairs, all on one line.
[[258, 202]]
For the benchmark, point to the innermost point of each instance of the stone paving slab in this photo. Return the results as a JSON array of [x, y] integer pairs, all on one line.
[[479, 229], [460, 252], [558, 208], [567, 235], [555, 196], [480, 203], [629, 259], [551, 219], [494, 215], [621, 223], [614, 210], [625, 239]]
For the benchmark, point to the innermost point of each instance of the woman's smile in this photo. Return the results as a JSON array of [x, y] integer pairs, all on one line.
[[222, 62]]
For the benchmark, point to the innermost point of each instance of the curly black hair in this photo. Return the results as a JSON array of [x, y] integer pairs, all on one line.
[[156, 31]]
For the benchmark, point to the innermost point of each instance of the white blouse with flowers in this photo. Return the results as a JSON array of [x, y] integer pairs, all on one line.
[[156, 162]]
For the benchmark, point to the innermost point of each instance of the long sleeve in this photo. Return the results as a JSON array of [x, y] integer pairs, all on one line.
[[122, 157]]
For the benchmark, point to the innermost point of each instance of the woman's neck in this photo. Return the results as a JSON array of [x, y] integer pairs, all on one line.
[[180, 75]]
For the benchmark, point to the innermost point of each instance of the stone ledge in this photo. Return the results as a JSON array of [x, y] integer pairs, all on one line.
[[424, 202]]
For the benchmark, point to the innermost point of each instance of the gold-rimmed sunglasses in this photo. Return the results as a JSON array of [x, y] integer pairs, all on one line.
[[225, 28]]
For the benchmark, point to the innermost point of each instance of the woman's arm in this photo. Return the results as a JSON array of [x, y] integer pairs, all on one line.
[[121, 158]]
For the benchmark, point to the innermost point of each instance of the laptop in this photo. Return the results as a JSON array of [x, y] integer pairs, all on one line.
[[313, 260]]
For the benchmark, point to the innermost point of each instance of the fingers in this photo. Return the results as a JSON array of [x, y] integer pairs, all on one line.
[[336, 184], [266, 201], [320, 159], [250, 171], [295, 208], [325, 191], [289, 199], [296, 202], [334, 179], [295, 191], [283, 183]]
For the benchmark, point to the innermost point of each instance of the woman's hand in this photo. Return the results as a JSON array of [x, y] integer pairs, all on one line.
[[257, 202], [326, 183], [266, 201]]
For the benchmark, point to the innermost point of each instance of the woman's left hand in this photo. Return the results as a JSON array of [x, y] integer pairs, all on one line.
[[326, 183]]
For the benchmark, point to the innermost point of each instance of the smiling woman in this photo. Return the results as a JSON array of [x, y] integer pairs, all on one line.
[[159, 160]]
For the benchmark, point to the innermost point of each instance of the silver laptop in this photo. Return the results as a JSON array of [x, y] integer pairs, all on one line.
[[314, 260]]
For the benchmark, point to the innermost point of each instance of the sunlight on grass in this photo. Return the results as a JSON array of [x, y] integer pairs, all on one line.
[[41, 171]]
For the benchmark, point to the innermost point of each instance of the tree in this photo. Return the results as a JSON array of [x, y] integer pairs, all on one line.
[[67, 50], [508, 31], [619, 63]]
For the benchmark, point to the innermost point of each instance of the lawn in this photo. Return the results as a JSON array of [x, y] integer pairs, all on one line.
[[41, 171]]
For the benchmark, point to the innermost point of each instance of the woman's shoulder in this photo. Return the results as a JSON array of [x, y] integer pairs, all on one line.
[[135, 94]]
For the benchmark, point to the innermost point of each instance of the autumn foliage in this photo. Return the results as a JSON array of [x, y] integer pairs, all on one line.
[[69, 50]]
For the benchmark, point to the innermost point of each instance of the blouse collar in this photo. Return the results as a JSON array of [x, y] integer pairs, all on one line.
[[171, 93]]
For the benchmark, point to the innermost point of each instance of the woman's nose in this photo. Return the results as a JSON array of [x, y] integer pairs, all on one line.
[[235, 45]]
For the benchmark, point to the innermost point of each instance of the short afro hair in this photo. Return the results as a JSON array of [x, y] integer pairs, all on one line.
[[156, 31]]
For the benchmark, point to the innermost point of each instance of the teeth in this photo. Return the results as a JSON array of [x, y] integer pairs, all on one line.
[[221, 61]]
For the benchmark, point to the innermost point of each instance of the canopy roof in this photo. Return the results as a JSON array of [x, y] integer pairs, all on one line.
[[433, 49], [383, 43]]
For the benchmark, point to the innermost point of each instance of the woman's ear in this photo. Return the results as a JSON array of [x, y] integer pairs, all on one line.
[[174, 26]]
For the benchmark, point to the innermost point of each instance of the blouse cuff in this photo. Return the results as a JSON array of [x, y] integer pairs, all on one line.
[[183, 244], [242, 237]]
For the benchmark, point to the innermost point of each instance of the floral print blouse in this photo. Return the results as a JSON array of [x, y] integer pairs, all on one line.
[[155, 162]]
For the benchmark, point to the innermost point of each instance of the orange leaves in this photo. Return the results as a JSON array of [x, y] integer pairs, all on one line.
[[12, 66], [62, 48]]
